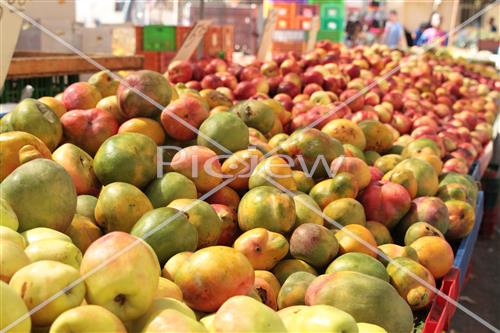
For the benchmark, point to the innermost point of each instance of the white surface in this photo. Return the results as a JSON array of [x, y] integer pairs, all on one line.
[[10, 25]]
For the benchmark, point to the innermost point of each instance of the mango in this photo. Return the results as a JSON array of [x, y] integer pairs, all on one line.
[[366, 298], [402, 272], [358, 262], [263, 248], [294, 289], [314, 244]]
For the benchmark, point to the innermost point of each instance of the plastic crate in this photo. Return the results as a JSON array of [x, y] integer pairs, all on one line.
[[306, 10], [331, 9], [180, 35], [139, 39], [158, 38], [42, 86], [290, 46], [303, 23], [485, 158], [151, 60], [165, 59], [332, 24], [466, 247], [284, 22], [441, 310], [475, 170], [219, 40], [334, 36], [284, 9]]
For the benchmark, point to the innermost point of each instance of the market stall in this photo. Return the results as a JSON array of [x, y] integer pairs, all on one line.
[[310, 186]]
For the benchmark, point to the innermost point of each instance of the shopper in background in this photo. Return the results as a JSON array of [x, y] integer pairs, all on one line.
[[434, 34], [493, 25], [394, 32], [353, 30], [420, 30]]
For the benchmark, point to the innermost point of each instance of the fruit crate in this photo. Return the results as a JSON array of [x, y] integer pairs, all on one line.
[[139, 41], [332, 9], [278, 47], [334, 36], [151, 60], [306, 10], [284, 9], [466, 247], [165, 59], [475, 171], [303, 23], [159, 38], [332, 24], [485, 159], [42, 86], [284, 22], [219, 40], [442, 311]]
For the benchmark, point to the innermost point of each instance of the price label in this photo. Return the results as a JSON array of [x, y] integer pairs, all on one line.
[[267, 35], [192, 40], [313, 34], [10, 26]]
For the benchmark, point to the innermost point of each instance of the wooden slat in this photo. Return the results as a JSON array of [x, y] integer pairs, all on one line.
[[33, 66]]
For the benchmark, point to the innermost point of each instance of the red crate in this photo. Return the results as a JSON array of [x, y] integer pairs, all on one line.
[[303, 23], [306, 10], [165, 59], [285, 47], [152, 60], [181, 33], [285, 23], [284, 9], [219, 39], [442, 311], [138, 39]]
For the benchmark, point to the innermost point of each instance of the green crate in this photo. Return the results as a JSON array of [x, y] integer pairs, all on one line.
[[332, 24], [334, 36], [326, 2], [158, 38], [332, 10], [42, 86]]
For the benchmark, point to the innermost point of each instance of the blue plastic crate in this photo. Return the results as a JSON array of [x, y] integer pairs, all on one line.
[[466, 248], [475, 170]]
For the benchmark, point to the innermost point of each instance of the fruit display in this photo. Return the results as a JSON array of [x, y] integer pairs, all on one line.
[[308, 193]]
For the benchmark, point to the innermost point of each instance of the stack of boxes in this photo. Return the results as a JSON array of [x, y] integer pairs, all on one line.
[[159, 44], [297, 15], [332, 17]]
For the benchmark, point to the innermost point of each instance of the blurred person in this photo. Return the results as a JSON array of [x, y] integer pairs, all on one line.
[[418, 33], [394, 35], [492, 24], [353, 29], [434, 33]]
